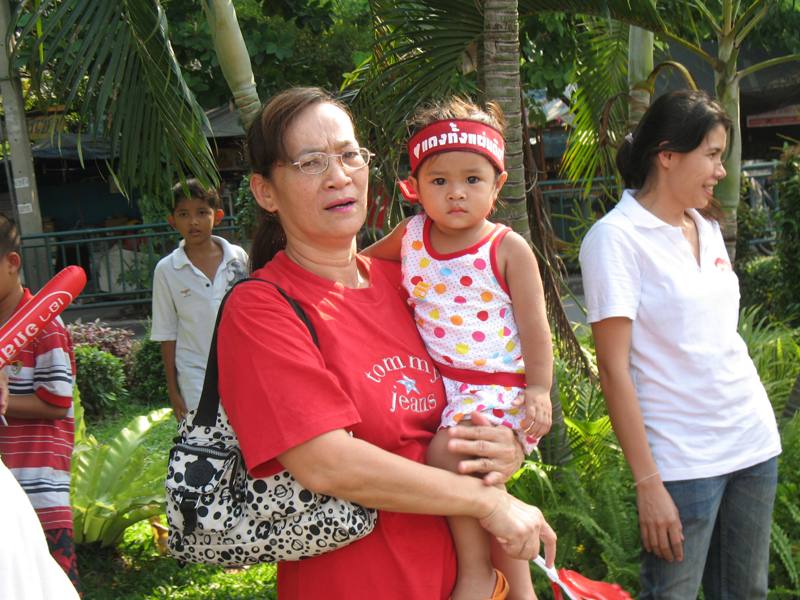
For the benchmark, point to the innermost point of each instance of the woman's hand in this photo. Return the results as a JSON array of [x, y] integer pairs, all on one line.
[[659, 521], [493, 450], [520, 529]]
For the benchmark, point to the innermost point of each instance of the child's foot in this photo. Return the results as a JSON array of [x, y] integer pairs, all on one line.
[[480, 584]]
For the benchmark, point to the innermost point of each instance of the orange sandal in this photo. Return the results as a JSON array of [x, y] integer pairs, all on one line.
[[501, 587]]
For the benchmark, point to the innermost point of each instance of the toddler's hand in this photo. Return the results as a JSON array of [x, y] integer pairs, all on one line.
[[538, 411], [3, 392]]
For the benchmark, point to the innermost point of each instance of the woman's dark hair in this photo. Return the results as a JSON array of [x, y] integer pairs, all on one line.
[[678, 122], [266, 147]]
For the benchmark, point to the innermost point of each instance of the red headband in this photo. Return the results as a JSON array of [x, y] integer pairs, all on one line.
[[449, 136]]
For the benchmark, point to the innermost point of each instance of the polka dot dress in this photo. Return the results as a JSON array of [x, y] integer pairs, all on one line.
[[463, 312]]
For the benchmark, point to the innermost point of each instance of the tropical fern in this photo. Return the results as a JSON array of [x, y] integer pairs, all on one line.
[[775, 350]]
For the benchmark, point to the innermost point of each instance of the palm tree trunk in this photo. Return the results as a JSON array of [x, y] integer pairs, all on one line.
[[640, 65], [726, 81], [501, 72], [22, 187], [233, 57]]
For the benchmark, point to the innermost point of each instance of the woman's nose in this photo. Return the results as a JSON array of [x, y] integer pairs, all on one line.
[[337, 174]]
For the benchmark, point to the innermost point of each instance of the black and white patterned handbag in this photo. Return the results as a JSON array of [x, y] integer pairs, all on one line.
[[219, 514]]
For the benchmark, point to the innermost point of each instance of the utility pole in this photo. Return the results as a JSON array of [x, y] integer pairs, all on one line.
[[22, 186]]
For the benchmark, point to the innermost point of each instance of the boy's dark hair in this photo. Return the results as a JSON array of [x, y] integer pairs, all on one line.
[[193, 189], [9, 236]]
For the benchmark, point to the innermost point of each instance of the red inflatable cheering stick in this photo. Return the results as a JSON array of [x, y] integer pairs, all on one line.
[[36, 313]]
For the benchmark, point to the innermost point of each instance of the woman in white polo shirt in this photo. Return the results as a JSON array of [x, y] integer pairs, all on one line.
[[683, 395]]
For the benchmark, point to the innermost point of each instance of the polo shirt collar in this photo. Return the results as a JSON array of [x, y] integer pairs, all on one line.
[[638, 214], [180, 260]]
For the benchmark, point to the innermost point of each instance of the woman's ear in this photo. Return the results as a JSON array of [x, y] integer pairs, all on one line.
[[263, 192], [665, 157]]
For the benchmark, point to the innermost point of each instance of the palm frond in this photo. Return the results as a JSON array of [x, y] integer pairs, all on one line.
[[112, 63], [419, 46], [598, 125], [642, 13]]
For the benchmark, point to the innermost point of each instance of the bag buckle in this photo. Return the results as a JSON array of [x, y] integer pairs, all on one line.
[[188, 508]]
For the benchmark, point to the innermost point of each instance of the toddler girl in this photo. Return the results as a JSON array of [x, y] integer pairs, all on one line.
[[479, 305]]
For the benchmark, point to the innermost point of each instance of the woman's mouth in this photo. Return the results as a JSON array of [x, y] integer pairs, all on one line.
[[340, 205]]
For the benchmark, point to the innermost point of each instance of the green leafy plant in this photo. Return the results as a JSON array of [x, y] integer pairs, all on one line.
[[785, 560], [760, 284], [751, 224], [775, 351], [788, 219], [148, 381], [116, 484], [101, 377], [246, 210]]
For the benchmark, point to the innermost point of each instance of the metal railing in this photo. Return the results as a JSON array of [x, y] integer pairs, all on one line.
[[119, 261], [569, 204]]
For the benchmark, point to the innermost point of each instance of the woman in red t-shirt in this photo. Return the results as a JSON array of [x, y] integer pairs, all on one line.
[[293, 404]]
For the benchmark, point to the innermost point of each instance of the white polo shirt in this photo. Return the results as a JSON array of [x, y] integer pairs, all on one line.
[[185, 304], [705, 410]]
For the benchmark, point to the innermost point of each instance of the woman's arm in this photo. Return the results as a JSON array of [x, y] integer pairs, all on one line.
[[337, 464], [521, 272], [659, 520], [388, 247]]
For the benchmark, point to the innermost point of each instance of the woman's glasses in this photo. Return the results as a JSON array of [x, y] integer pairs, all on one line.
[[315, 163]]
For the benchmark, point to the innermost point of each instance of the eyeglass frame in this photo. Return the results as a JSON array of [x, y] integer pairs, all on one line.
[[328, 156]]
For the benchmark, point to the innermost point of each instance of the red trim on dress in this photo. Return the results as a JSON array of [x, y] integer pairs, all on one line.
[[426, 239], [481, 377], [493, 259]]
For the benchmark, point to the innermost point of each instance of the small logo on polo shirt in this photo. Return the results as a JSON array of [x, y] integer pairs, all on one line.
[[723, 264], [185, 292]]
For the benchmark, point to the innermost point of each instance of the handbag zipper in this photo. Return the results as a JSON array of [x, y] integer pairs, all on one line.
[[207, 452]]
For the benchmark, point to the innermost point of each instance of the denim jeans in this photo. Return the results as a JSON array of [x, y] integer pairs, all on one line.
[[726, 527]]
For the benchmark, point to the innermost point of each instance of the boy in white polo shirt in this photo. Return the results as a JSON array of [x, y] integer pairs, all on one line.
[[188, 286]]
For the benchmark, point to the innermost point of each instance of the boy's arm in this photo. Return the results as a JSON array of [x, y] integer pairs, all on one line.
[[175, 397], [521, 271], [388, 247], [30, 406]]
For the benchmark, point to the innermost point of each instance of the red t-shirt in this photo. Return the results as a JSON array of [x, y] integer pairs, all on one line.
[[370, 375]]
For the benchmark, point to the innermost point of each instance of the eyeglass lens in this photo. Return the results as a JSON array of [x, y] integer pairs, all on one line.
[[315, 163]]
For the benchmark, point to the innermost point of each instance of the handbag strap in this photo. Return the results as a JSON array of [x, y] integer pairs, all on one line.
[[208, 408]]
